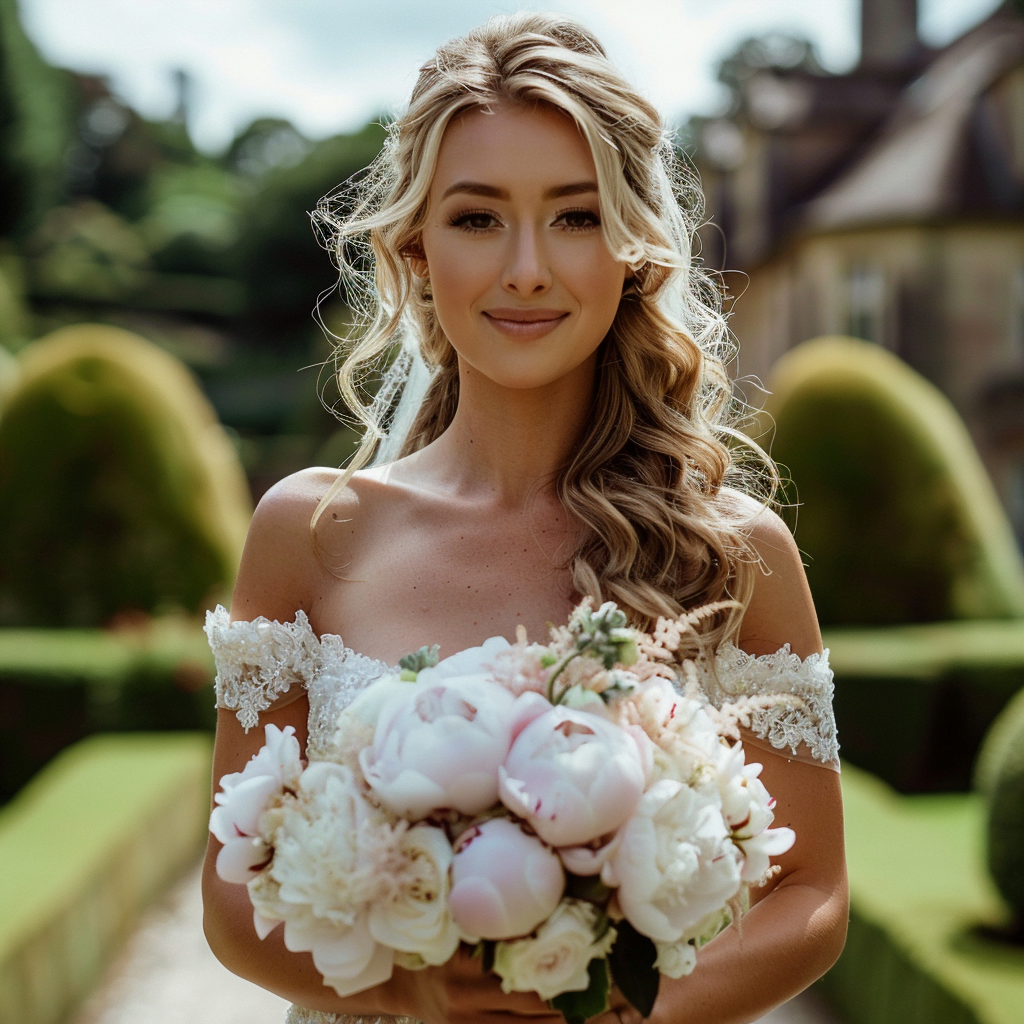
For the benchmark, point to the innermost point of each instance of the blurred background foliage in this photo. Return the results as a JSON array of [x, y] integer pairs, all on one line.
[[108, 217]]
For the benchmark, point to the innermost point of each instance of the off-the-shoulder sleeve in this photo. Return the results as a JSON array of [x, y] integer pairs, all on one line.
[[804, 724], [260, 660]]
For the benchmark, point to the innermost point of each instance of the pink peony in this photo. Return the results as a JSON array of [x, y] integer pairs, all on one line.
[[505, 882], [574, 776]]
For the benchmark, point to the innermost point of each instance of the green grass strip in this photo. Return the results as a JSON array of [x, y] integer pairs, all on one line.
[[927, 650], [52, 656]]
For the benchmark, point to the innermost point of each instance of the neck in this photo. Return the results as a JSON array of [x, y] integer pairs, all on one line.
[[506, 445]]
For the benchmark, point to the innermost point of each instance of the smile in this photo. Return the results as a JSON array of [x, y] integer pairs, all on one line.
[[525, 323]]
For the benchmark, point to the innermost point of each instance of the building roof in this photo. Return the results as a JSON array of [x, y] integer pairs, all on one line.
[[917, 167]]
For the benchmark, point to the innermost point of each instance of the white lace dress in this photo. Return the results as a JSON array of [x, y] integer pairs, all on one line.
[[258, 661]]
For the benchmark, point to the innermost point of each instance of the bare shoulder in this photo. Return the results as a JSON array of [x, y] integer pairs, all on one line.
[[281, 570], [781, 609]]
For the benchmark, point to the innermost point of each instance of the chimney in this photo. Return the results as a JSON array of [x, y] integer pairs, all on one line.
[[888, 34]]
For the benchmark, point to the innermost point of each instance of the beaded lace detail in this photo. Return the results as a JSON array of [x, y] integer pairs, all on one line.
[[258, 661], [300, 1015], [809, 719]]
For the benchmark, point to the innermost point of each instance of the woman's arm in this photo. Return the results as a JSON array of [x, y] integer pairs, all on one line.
[[278, 575], [797, 928]]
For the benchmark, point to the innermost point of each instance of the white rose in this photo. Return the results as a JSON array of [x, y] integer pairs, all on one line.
[[675, 959], [439, 745], [417, 917], [555, 960], [244, 796], [748, 810], [674, 862], [573, 775]]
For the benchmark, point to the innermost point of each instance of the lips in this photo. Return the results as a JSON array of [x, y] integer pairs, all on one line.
[[525, 316], [524, 323]]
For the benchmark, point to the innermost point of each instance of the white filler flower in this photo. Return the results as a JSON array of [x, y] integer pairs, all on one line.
[[555, 960]]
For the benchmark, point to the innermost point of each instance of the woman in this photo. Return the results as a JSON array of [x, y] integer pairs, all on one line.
[[530, 245]]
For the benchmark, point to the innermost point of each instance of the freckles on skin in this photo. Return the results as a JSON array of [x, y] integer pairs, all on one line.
[[525, 287]]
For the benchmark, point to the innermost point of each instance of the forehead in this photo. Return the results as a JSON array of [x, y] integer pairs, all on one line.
[[510, 145]]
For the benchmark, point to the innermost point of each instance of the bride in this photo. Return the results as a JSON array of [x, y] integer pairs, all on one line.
[[531, 236]]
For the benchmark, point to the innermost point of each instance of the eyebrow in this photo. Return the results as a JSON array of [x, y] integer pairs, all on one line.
[[478, 188]]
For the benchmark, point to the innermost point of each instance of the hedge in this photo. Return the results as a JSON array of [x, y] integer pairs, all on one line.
[[897, 514], [920, 904], [85, 846], [914, 702], [59, 685]]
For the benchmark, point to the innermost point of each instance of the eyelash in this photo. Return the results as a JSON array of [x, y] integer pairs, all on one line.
[[462, 220]]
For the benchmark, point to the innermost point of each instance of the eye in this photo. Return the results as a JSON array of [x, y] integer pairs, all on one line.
[[580, 219], [475, 221]]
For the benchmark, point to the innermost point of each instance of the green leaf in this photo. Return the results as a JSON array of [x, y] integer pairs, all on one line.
[[587, 887], [632, 965], [425, 657], [577, 1007]]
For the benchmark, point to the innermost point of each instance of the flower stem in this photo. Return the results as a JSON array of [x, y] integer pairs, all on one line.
[[558, 671]]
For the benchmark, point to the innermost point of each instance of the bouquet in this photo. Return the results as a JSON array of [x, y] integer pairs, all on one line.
[[576, 811]]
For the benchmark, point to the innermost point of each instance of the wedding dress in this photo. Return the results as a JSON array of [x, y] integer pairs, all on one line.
[[258, 661]]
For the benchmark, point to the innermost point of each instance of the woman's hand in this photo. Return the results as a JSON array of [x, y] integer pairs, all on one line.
[[459, 992]]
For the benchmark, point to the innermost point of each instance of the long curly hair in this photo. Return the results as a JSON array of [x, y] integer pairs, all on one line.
[[656, 531]]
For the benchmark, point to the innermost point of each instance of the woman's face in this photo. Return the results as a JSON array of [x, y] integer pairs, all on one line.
[[524, 286]]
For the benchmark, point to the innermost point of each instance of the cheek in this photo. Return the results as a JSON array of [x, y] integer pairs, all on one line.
[[599, 283]]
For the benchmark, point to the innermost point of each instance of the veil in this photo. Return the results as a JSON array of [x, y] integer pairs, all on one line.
[[408, 377]]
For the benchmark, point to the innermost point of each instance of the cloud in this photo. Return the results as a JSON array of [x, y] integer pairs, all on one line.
[[328, 65]]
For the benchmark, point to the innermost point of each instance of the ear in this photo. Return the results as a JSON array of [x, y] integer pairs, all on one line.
[[417, 259]]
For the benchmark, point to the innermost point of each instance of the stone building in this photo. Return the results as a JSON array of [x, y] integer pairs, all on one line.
[[886, 203]]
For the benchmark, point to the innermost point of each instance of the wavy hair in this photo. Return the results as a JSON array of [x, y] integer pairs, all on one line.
[[656, 532]]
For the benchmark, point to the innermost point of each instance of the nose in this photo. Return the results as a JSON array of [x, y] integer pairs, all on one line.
[[527, 270]]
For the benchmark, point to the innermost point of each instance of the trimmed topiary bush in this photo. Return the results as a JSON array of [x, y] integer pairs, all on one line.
[[897, 516], [999, 776], [119, 490]]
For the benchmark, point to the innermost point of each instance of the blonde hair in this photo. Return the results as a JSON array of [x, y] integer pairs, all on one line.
[[657, 534]]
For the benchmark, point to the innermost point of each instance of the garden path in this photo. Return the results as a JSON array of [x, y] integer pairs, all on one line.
[[166, 974]]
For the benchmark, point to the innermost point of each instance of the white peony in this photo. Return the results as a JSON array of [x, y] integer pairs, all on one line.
[[574, 776], [438, 746], [417, 917], [335, 855], [555, 960], [504, 881], [673, 862], [245, 795], [748, 810], [469, 662]]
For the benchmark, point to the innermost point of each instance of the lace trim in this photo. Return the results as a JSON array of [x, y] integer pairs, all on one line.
[[809, 720], [260, 660], [300, 1015]]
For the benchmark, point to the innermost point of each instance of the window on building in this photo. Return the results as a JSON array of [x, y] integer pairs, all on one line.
[[866, 303]]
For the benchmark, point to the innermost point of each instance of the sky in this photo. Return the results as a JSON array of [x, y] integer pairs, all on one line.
[[330, 65]]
